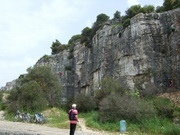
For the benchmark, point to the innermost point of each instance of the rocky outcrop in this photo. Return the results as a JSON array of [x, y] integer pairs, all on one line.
[[9, 86], [146, 52]]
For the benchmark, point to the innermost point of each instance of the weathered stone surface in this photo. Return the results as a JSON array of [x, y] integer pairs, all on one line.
[[9, 86], [145, 49]]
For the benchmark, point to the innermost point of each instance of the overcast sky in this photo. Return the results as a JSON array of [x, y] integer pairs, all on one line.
[[28, 27]]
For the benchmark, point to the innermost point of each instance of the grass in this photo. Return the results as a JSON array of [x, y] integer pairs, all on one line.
[[92, 122], [57, 118], [153, 126]]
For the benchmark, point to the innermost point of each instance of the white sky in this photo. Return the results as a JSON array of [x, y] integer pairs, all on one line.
[[28, 27]]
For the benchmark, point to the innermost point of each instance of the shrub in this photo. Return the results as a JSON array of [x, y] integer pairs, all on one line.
[[126, 23], [3, 98], [74, 38], [85, 103], [109, 85], [116, 107], [37, 90], [117, 15], [164, 107], [45, 57], [55, 45], [29, 97]]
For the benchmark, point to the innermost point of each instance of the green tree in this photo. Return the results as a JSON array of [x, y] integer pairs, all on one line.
[[101, 18], [126, 22], [148, 9], [86, 35], [48, 81], [167, 5], [86, 32], [159, 9], [28, 97], [171, 4], [133, 10], [39, 86], [74, 38], [176, 4], [55, 46], [117, 15]]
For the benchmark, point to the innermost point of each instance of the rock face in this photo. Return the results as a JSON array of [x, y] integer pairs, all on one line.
[[146, 52], [9, 86]]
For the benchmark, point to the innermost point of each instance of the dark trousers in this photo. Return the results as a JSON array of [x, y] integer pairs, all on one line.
[[72, 129]]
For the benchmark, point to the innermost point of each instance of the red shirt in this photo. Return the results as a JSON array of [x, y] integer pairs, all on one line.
[[75, 112]]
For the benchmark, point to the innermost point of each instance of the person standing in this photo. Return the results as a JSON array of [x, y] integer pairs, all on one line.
[[73, 117]]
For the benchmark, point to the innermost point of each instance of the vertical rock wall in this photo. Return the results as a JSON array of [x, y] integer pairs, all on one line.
[[146, 51]]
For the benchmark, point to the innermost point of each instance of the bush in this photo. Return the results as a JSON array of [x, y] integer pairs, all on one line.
[[85, 103], [164, 107], [109, 85], [55, 45], [37, 90], [29, 97], [74, 39], [126, 23], [116, 107], [3, 96]]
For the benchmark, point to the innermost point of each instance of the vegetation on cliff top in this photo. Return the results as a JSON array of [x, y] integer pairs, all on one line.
[[88, 33]]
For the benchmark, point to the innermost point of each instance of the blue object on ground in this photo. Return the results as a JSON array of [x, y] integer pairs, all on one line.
[[122, 126]]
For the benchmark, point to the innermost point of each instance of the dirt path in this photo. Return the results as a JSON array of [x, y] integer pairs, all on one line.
[[19, 128]]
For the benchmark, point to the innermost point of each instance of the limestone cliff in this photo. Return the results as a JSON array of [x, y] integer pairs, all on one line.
[[144, 52]]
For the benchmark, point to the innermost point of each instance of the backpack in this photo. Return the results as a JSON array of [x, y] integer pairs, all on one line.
[[71, 115]]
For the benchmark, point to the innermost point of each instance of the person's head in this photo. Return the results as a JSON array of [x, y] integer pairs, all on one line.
[[73, 105]]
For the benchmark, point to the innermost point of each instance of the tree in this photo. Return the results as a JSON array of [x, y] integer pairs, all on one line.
[[48, 81], [148, 9], [133, 10], [74, 38], [176, 4], [55, 46], [39, 89], [101, 18], [117, 15], [171, 4], [159, 9], [167, 5], [28, 97], [86, 32], [86, 36]]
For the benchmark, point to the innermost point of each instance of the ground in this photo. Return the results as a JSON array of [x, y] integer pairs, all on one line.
[[20, 128]]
